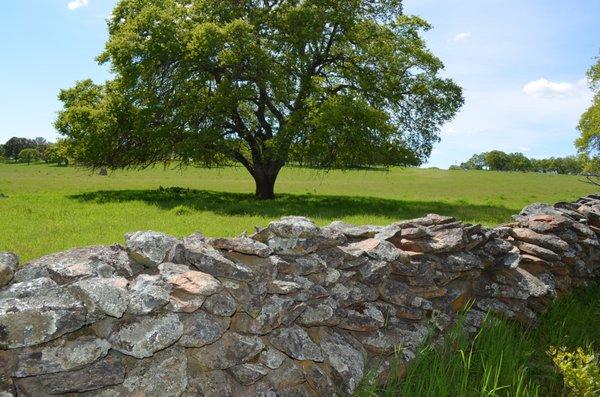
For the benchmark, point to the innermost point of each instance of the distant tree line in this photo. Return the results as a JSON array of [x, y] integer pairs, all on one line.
[[497, 160], [25, 150]]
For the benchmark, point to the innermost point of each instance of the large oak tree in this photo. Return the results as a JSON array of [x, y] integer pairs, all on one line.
[[326, 83]]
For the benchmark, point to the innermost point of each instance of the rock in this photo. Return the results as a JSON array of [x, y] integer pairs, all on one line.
[[147, 294], [230, 350], [274, 312], [164, 374], [536, 250], [283, 287], [59, 355], [346, 359], [8, 265], [248, 298], [143, 336], [461, 262], [102, 295], [515, 283], [105, 372], [190, 289], [79, 263], [244, 245], [320, 314], [400, 294], [204, 257], [539, 209], [353, 231], [37, 311], [377, 249], [318, 379], [302, 265], [149, 248], [221, 304], [247, 374], [362, 317], [296, 343], [216, 383], [201, 328], [294, 226], [289, 374], [550, 242], [272, 358]]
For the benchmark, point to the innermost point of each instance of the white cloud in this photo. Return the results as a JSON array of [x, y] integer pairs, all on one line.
[[461, 36], [544, 88], [75, 4], [524, 149]]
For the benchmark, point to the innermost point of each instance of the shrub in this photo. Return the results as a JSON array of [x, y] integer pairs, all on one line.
[[28, 155], [580, 370]]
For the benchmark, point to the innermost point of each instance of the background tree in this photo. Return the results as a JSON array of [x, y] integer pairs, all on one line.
[[28, 155], [15, 145], [476, 162], [588, 142], [57, 153], [328, 83]]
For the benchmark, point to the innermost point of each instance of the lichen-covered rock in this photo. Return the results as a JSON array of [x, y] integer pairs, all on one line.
[[346, 359], [8, 265], [296, 343], [37, 311], [108, 371], [201, 328], [102, 296], [230, 350], [164, 374], [149, 248], [190, 288], [247, 374], [59, 355], [221, 304], [147, 294], [141, 337], [243, 245]]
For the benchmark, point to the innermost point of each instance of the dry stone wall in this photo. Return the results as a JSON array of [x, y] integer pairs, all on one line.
[[293, 310]]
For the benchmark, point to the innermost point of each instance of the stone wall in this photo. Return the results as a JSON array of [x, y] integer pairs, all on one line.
[[292, 310]]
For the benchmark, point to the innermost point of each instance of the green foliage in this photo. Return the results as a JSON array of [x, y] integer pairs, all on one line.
[[28, 155], [497, 160], [580, 370], [505, 359], [57, 153], [589, 123], [14, 146], [326, 83]]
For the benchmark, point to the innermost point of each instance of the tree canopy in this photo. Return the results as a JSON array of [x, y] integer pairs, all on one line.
[[326, 83], [589, 124]]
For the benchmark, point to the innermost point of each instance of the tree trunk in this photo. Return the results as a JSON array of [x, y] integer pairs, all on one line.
[[265, 182]]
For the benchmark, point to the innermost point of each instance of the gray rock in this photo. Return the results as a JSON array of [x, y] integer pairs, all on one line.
[[353, 231], [149, 248], [302, 266], [377, 249], [190, 289], [79, 263], [244, 245], [164, 374], [550, 242], [294, 226], [143, 336], [296, 343], [318, 379], [247, 299], [59, 355], [207, 259], [148, 294], [105, 372], [221, 304], [8, 265], [272, 358], [539, 209], [247, 374], [283, 287], [102, 295], [362, 317], [320, 314], [216, 383], [274, 312], [461, 262], [536, 250], [230, 350], [37, 311], [346, 359], [201, 328]]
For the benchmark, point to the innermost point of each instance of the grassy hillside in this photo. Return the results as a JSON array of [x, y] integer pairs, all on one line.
[[50, 208]]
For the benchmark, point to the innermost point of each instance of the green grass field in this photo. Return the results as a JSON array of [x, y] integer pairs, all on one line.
[[48, 208]]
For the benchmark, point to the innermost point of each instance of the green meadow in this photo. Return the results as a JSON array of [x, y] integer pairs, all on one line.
[[45, 208]]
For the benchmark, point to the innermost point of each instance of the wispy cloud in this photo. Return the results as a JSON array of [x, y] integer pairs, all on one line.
[[544, 88], [75, 4], [462, 36]]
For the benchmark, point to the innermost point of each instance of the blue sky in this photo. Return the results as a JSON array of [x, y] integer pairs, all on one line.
[[521, 63]]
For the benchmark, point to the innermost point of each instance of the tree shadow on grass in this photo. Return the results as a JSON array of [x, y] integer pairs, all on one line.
[[314, 206]]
